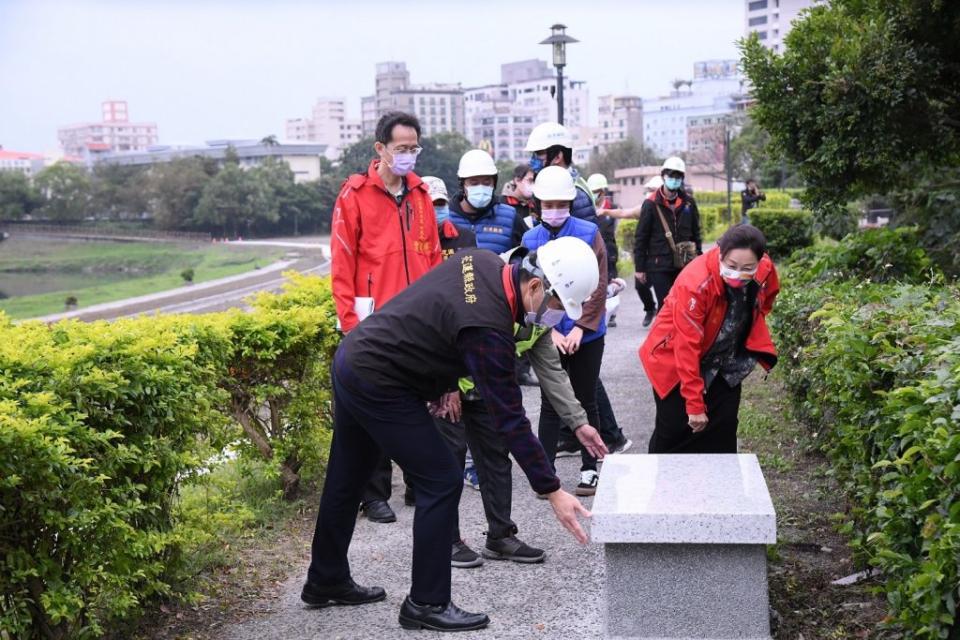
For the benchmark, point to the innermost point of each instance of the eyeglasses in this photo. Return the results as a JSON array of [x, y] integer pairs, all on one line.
[[414, 150]]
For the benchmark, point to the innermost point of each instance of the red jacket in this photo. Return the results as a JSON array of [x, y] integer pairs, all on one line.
[[377, 246], [689, 322]]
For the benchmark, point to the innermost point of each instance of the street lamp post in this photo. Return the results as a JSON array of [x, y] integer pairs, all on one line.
[[559, 39]]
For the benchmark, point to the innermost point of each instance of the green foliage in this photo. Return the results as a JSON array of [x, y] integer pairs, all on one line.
[[17, 196], [626, 232], [66, 190], [101, 424], [187, 275], [875, 370], [875, 255], [786, 230], [754, 155], [174, 190], [864, 100], [233, 200], [118, 191]]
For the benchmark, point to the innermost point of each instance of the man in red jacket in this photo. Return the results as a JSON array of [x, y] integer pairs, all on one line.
[[709, 335], [384, 237]]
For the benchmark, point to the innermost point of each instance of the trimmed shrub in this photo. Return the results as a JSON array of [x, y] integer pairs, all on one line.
[[786, 230], [875, 371], [101, 423], [626, 231]]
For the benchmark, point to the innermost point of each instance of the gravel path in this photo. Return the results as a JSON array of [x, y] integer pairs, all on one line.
[[557, 599]]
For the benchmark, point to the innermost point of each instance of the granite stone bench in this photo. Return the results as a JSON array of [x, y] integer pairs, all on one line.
[[684, 546]]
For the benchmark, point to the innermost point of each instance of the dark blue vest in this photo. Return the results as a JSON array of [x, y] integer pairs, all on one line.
[[494, 230]]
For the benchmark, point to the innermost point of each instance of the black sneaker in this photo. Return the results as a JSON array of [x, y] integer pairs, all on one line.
[[612, 323], [568, 449], [619, 447], [588, 483], [439, 617], [648, 318], [409, 498], [348, 593], [378, 511], [463, 557], [512, 548]]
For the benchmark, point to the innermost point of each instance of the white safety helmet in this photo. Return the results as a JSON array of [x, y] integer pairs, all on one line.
[[571, 271], [438, 190], [653, 183], [476, 162], [673, 163], [554, 183], [597, 181], [549, 134]]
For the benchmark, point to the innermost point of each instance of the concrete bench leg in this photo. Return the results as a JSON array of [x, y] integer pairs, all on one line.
[[673, 591]]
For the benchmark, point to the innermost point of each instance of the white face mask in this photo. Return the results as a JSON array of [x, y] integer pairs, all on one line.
[[735, 277]]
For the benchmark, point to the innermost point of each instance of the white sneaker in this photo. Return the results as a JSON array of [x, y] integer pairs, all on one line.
[[588, 483]]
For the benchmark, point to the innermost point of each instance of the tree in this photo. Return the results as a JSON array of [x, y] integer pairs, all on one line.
[[754, 155], [174, 189], [233, 200], [865, 99], [17, 196], [66, 191], [621, 155], [118, 191]]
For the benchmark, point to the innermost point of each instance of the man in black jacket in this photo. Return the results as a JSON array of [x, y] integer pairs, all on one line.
[[669, 207]]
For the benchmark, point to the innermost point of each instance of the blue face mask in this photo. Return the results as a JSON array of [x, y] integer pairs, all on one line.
[[442, 213], [673, 184], [536, 164], [479, 196]]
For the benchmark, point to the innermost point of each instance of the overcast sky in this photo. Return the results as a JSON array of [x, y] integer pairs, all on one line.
[[205, 69]]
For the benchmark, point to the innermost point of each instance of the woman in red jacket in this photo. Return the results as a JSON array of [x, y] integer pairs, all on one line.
[[708, 337]]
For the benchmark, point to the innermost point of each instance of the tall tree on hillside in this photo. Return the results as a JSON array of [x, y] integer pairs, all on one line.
[[66, 190]]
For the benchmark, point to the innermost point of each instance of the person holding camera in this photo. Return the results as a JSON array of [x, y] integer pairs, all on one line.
[[750, 199]]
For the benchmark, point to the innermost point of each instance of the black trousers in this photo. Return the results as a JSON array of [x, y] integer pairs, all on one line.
[[646, 295], [662, 282], [492, 461], [380, 485], [609, 429], [672, 434], [370, 421], [583, 367]]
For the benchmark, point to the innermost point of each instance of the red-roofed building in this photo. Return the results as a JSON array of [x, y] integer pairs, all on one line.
[[24, 162], [114, 133]]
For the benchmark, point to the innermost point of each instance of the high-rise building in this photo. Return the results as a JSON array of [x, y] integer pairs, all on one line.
[[114, 132], [771, 20], [328, 125], [620, 119], [439, 107], [715, 91], [499, 117], [368, 115]]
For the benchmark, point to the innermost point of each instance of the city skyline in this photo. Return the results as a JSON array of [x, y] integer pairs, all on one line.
[[212, 70]]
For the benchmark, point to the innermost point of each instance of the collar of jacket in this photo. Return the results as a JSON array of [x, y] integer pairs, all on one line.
[[411, 180], [457, 205]]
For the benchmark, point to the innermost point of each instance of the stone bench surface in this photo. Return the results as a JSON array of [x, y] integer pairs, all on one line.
[[683, 499]]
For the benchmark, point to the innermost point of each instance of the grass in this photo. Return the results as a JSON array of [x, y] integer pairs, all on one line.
[[151, 267]]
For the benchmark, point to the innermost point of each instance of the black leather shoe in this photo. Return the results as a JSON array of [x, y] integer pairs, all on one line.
[[409, 498], [348, 593], [648, 318], [378, 511], [439, 617]]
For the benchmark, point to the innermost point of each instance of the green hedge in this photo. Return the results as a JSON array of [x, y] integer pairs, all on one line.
[[626, 231], [875, 370], [101, 423], [786, 230], [775, 199]]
